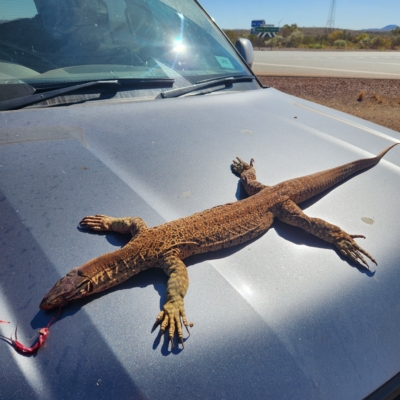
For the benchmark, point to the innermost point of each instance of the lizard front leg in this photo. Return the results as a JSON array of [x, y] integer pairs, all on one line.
[[173, 311], [291, 213], [247, 175], [100, 223]]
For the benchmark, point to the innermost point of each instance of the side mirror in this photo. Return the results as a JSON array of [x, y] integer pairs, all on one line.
[[245, 49]]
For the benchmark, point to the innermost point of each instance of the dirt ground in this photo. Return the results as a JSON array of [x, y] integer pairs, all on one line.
[[376, 100]]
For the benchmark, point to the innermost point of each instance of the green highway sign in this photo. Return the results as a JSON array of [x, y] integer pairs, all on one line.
[[266, 29]]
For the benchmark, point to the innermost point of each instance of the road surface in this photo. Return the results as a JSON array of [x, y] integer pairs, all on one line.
[[340, 64]]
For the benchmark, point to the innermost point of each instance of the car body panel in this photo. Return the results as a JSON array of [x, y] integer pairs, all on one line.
[[282, 316]]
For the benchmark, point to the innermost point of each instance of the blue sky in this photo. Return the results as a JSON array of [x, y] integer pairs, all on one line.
[[231, 14], [350, 14]]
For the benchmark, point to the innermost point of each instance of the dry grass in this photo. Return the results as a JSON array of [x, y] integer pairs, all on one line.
[[376, 100]]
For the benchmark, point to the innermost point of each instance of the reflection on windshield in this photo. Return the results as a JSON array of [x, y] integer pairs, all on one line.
[[72, 40]]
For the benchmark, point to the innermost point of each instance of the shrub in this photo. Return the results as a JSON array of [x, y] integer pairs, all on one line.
[[365, 43], [396, 32], [294, 39], [361, 37], [335, 35], [308, 40], [396, 41], [380, 42], [340, 44], [276, 41]]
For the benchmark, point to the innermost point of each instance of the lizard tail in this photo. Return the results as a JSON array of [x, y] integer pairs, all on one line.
[[382, 153], [310, 185]]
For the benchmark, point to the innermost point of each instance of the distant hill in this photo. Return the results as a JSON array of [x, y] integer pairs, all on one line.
[[385, 28]]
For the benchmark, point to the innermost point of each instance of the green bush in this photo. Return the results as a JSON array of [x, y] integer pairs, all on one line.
[[340, 44], [396, 32], [309, 40], [365, 43], [361, 37], [275, 42], [294, 39], [379, 42], [396, 42], [335, 36]]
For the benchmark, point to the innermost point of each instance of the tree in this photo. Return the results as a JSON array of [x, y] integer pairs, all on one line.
[[286, 29]]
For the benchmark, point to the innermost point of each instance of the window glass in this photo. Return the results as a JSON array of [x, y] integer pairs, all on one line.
[[80, 40]]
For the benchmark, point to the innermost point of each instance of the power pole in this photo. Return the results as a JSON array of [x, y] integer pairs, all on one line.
[[330, 23]]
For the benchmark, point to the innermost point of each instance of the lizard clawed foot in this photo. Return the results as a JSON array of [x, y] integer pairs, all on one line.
[[239, 166], [98, 222], [173, 316], [349, 248]]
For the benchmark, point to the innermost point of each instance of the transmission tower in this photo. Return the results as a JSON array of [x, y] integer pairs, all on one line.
[[330, 23]]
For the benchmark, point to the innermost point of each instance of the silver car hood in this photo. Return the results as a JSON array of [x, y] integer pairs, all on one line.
[[283, 316]]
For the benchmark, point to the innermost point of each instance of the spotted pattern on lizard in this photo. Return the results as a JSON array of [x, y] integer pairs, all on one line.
[[167, 245]]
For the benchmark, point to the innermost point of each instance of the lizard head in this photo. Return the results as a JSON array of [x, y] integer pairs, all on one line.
[[73, 286]]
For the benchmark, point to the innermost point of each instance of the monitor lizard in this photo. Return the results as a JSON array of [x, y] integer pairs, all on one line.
[[167, 245]]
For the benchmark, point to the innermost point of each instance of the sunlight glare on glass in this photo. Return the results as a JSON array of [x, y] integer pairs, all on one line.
[[179, 47]]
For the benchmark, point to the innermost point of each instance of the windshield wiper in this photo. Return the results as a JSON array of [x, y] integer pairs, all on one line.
[[24, 101], [226, 81]]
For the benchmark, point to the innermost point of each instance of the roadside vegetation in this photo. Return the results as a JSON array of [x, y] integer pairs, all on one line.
[[291, 36], [375, 100]]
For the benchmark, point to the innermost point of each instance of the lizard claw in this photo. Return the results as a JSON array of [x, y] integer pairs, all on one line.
[[173, 316], [239, 166], [349, 248], [98, 222]]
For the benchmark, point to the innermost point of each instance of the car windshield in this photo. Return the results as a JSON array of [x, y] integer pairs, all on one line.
[[64, 41]]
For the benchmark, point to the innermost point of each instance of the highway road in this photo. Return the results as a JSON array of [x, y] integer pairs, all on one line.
[[340, 64]]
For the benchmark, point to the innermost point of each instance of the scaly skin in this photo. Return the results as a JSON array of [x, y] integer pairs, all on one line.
[[166, 245]]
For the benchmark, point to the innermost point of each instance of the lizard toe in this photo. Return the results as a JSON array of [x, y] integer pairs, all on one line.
[[173, 317], [350, 249]]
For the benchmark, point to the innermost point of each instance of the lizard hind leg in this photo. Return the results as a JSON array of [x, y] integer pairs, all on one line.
[[291, 213], [247, 175]]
